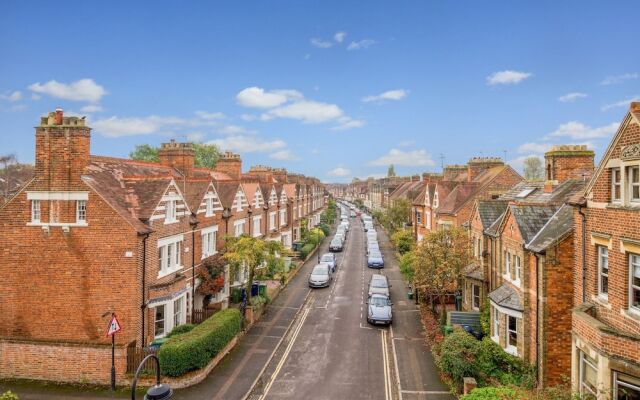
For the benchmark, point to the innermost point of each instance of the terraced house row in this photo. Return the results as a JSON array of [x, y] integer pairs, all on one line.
[[89, 235], [557, 261]]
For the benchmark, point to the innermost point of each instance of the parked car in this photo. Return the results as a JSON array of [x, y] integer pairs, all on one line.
[[372, 234], [335, 245], [375, 259], [330, 260], [341, 236], [345, 224], [372, 247], [352, 214], [320, 276], [379, 310], [379, 284], [368, 226]]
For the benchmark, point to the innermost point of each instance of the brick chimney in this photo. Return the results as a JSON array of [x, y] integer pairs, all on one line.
[[451, 172], [478, 165], [564, 162], [62, 152], [262, 173], [280, 174], [180, 156], [431, 177], [230, 164]]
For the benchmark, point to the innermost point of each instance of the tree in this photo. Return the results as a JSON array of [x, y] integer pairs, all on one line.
[[250, 253], [6, 164], [207, 155], [439, 261], [533, 170], [391, 171], [144, 152], [397, 215]]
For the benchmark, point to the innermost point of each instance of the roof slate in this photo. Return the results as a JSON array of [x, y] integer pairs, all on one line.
[[531, 218], [490, 211], [506, 296], [559, 225]]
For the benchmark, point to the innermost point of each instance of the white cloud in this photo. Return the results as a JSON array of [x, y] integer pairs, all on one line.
[[346, 123], [339, 36], [91, 108], [571, 97], [248, 144], [578, 130], [256, 97], [507, 77], [621, 103], [195, 137], [361, 44], [82, 90], [284, 155], [534, 147], [388, 95], [234, 130], [210, 115], [12, 97], [612, 80], [131, 126], [307, 111], [339, 171], [415, 158], [322, 44]]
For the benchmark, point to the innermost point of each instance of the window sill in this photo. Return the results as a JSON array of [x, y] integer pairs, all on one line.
[[169, 271], [208, 255], [633, 315], [602, 301], [511, 350], [496, 339]]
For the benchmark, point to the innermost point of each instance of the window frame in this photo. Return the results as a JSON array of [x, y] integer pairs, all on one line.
[[633, 287], [272, 221], [617, 381], [81, 211], [209, 207], [586, 360], [616, 184], [517, 268], [163, 320], [169, 255], [36, 210], [257, 226], [283, 217], [209, 239], [603, 254], [474, 296], [179, 313], [496, 325], [508, 346], [633, 185], [170, 216]]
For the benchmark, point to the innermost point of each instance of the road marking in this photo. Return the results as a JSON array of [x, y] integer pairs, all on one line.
[[425, 392], [285, 355], [385, 361], [395, 362]]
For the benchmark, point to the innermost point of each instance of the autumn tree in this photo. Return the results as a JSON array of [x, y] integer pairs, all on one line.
[[396, 216], [207, 155], [250, 253], [439, 261]]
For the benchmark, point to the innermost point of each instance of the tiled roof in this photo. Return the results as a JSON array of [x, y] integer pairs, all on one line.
[[531, 218], [560, 194], [420, 199], [494, 229], [250, 191], [457, 197], [506, 296], [13, 178], [474, 271], [490, 211], [559, 225], [194, 193], [227, 193]]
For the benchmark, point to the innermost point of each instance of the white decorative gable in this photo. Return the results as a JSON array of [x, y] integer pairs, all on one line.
[[171, 206], [273, 197], [283, 198], [258, 200], [240, 201], [210, 202]]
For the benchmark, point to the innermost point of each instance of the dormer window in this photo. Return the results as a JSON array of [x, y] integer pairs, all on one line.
[[35, 210], [81, 211], [170, 211], [209, 205], [616, 185]]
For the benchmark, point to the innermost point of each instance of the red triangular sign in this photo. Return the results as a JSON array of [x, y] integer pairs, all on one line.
[[114, 326]]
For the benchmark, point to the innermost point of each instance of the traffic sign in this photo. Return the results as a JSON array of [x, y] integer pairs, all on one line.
[[114, 325]]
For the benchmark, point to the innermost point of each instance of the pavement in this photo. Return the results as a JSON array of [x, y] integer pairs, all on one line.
[[317, 344]]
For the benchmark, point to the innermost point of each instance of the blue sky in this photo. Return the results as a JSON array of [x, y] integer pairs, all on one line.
[[332, 89]]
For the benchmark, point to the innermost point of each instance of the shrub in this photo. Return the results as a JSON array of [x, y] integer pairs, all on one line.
[[306, 250], [485, 318], [458, 356], [180, 329], [403, 240], [496, 364], [316, 235], [258, 301], [192, 350], [406, 266], [8, 396], [326, 229], [494, 393]]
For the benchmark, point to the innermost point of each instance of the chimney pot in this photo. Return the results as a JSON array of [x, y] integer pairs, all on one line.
[[59, 114]]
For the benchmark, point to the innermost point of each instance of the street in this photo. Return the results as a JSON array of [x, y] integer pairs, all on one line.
[[328, 350]]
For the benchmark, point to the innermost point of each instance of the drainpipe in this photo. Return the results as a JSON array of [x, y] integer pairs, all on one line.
[[143, 305], [538, 319], [584, 254], [194, 225]]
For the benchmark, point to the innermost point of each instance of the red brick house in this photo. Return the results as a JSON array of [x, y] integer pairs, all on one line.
[[99, 235], [606, 320]]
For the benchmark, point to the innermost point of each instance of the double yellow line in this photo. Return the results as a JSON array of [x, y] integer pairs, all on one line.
[[388, 391]]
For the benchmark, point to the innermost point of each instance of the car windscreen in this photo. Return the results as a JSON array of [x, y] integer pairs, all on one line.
[[327, 258], [379, 283], [375, 254], [379, 301], [320, 270]]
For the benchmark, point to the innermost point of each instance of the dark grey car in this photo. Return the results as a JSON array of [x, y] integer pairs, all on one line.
[[379, 310], [320, 276], [379, 284]]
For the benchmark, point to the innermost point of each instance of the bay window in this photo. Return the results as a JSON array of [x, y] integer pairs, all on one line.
[[625, 387], [512, 334], [475, 297], [588, 384], [169, 255], [160, 317]]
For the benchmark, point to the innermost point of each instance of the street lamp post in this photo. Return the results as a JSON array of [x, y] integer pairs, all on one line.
[[156, 392]]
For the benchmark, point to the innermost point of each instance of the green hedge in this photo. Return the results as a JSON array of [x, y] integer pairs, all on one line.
[[194, 349], [180, 329], [306, 250], [494, 393]]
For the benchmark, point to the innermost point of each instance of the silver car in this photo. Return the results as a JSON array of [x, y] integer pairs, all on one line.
[[379, 284], [379, 310], [330, 260], [320, 276]]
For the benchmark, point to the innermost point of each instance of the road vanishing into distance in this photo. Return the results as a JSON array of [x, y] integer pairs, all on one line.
[[317, 344]]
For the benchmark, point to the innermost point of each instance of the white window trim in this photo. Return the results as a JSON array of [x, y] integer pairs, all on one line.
[[36, 206], [601, 294], [209, 207], [166, 242], [581, 373], [204, 233], [631, 184], [632, 309], [78, 219], [168, 313], [173, 205], [257, 223], [495, 332], [473, 296], [513, 350], [272, 221], [236, 224], [518, 269], [617, 381], [615, 183], [507, 265], [283, 217]]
